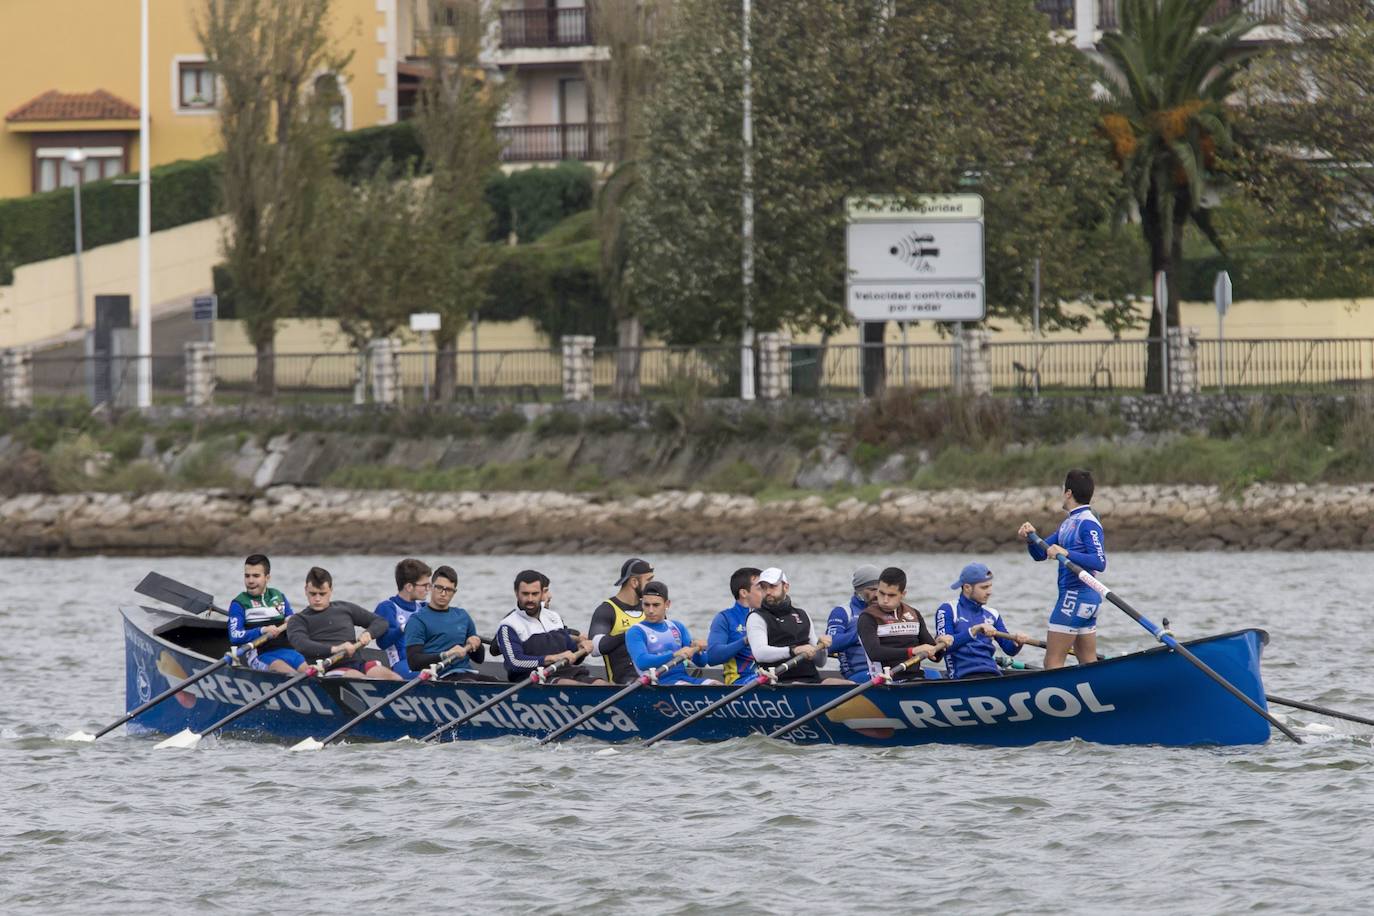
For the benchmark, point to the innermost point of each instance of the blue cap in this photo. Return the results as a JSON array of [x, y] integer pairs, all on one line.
[[973, 574]]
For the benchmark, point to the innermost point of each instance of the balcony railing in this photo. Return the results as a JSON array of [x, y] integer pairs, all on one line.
[[557, 28], [1266, 11], [1059, 11], [552, 142]]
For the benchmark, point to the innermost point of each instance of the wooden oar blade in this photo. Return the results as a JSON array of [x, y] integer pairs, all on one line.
[[184, 739], [84, 737], [177, 594]]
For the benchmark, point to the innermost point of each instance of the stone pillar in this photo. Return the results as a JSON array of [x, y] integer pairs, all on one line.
[[200, 373], [16, 377], [1085, 22], [775, 365], [123, 368], [1183, 347], [973, 362], [386, 371], [579, 355]]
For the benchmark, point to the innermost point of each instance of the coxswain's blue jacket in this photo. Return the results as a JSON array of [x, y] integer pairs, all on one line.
[[1081, 535], [843, 629]]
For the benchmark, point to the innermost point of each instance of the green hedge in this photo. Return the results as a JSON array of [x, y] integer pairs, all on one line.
[[41, 226], [555, 283], [533, 201]]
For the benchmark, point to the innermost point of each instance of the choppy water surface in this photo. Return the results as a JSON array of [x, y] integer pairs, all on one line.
[[747, 826]]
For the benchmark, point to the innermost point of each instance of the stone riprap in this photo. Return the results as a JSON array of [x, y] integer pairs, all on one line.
[[308, 520]]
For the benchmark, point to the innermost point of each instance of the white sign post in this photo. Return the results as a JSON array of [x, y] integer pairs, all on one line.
[[1221, 294], [915, 259], [424, 324], [1162, 306]]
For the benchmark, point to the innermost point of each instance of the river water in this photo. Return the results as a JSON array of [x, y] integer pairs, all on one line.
[[747, 826]]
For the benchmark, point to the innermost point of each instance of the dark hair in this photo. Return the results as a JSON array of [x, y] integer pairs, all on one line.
[[1080, 482], [526, 576], [893, 576], [409, 571], [318, 577], [258, 559], [742, 578], [446, 572]]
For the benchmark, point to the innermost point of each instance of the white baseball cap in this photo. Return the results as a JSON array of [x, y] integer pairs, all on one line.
[[772, 576]]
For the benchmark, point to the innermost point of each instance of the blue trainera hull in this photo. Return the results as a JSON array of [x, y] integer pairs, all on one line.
[[1149, 697]]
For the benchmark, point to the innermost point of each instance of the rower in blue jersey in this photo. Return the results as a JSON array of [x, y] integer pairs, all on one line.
[[262, 611], [1073, 622], [727, 644], [438, 634], [655, 641], [412, 588], [969, 624], [843, 625]]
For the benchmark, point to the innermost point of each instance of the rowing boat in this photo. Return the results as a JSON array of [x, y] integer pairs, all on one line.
[[1148, 697]]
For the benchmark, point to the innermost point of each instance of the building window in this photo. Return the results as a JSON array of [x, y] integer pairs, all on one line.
[[54, 171], [197, 85], [330, 94]]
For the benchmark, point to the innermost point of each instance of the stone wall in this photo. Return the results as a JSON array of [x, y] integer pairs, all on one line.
[[307, 521]]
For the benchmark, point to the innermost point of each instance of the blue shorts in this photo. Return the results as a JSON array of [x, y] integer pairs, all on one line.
[[261, 661], [1076, 612]]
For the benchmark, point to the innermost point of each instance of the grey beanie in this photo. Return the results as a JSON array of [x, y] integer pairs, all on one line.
[[866, 575]]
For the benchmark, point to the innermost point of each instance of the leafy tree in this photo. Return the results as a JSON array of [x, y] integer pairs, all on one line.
[[891, 97], [275, 136], [1166, 119], [456, 120]]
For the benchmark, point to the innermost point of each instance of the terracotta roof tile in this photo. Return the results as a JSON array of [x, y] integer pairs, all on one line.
[[74, 106]]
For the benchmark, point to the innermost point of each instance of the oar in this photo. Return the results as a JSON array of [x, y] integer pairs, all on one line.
[[189, 739], [1164, 636], [178, 594], [1030, 641], [765, 676], [537, 677], [176, 688], [1312, 707], [648, 677], [882, 678], [310, 744]]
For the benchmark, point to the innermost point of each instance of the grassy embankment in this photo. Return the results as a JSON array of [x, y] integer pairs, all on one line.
[[948, 444]]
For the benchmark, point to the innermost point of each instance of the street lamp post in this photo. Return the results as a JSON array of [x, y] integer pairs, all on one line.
[[145, 225], [746, 353], [77, 159]]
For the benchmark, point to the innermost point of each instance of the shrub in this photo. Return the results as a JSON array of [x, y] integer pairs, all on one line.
[[532, 201]]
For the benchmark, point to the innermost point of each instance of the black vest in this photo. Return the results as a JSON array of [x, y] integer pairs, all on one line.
[[790, 626]]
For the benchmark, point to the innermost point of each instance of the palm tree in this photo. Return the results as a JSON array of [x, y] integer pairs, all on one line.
[[1166, 118]]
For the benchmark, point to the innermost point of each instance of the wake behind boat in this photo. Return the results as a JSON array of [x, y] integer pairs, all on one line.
[[1149, 697]]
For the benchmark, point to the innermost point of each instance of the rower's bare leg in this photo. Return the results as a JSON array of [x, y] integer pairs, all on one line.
[[383, 673], [837, 680], [1085, 647], [346, 672], [281, 667], [1057, 647]]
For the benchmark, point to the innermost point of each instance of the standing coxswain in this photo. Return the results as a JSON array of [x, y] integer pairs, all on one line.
[[1073, 622]]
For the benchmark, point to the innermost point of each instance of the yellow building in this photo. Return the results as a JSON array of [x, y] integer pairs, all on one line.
[[69, 74]]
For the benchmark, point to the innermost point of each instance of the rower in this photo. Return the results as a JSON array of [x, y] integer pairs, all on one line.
[[969, 624], [617, 614], [656, 640], [260, 610], [532, 635], [892, 631], [326, 628], [778, 630], [412, 588], [844, 620], [727, 644], [1073, 622], [438, 634]]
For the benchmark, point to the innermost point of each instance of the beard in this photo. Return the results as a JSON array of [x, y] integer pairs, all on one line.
[[529, 607], [773, 602]]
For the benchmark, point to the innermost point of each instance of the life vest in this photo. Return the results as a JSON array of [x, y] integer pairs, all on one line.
[[619, 668], [790, 626]]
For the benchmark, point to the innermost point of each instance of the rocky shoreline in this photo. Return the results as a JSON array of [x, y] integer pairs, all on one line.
[[306, 521]]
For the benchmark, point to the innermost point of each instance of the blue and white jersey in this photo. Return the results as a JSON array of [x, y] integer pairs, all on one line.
[[843, 629], [968, 654], [1081, 535], [397, 611]]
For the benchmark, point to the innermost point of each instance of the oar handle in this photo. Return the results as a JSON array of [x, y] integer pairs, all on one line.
[[1029, 641], [653, 674], [1163, 636]]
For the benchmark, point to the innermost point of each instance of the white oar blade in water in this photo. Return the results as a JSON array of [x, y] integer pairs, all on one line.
[[309, 744], [183, 739], [80, 736]]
